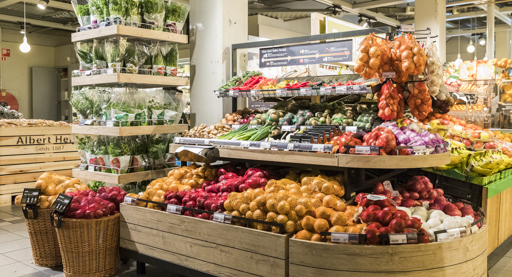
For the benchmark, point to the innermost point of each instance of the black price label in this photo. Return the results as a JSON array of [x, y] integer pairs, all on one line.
[[30, 196], [61, 203]]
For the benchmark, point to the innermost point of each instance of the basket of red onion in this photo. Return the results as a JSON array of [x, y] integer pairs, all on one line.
[[89, 233]]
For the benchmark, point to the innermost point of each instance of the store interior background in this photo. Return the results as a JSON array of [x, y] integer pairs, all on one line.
[[49, 34]]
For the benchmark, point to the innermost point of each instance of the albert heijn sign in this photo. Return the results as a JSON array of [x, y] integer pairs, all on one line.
[[6, 53]]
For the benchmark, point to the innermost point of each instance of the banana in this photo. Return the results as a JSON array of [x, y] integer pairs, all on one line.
[[479, 170], [444, 167]]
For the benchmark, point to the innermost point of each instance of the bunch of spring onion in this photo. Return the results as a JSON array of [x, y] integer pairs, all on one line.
[[244, 133]]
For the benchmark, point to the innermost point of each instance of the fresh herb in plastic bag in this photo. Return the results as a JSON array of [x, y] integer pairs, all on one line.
[[155, 106], [123, 111], [120, 157], [176, 13], [134, 56], [140, 100], [157, 146], [117, 11], [114, 49], [98, 55], [84, 145], [97, 13], [83, 14], [154, 12], [158, 61], [81, 103], [132, 13], [171, 59], [173, 106], [147, 47], [84, 53], [102, 154], [139, 153]]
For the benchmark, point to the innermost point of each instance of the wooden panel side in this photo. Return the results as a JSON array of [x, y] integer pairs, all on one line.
[[5, 200], [15, 188], [26, 168], [193, 263], [29, 177], [242, 238], [34, 131], [417, 257], [279, 156], [34, 149], [492, 209], [39, 158], [204, 250], [505, 218], [472, 268], [414, 161]]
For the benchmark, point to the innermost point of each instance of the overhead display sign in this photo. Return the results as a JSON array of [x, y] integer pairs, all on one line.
[[315, 53]]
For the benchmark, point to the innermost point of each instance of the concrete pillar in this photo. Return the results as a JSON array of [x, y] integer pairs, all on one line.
[[502, 44], [432, 14], [490, 31], [214, 26]]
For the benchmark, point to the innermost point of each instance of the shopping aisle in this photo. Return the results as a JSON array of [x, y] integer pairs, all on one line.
[[16, 255]]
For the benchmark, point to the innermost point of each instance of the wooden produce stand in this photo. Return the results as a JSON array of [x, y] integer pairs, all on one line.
[[202, 245], [28, 152], [465, 256]]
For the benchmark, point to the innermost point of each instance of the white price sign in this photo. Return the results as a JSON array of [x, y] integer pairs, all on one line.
[[290, 146], [363, 149], [339, 237], [389, 74], [110, 123], [352, 129], [375, 197], [325, 90], [222, 218], [397, 238], [174, 209], [245, 144], [91, 168], [129, 200], [341, 90], [305, 91], [387, 185], [255, 92], [265, 145], [318, 147]]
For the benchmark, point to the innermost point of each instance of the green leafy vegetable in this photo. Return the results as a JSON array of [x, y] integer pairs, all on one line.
[[83, 10], [95, 185], [176, 12]]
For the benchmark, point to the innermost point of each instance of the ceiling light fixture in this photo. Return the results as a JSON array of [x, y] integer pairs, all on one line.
[[24, 47], [42, 4], [471, 47], [481, 41]]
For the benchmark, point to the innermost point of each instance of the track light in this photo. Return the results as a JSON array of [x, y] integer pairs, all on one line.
[[42, 4], [481, 41], [471, 47]]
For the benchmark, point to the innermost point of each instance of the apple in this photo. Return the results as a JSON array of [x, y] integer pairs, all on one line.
[[490, 145], [479, 145], [475, 135], [466, 142], [445, 122]]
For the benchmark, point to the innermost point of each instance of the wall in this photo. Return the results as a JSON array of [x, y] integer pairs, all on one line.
[[64, 55], [452, 49], [16, 72], [271, 28]]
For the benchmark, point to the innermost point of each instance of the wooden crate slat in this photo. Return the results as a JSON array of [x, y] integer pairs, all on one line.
[[33, 149], [25, 168], [417, 257], [120, 30], [261, 242], [129, 131], [35, 140], [393, 162], [120, 178], [126, 78], [40, 158], [5, 200], [34, 131], [204, 250], [181, 259], [492, 211], [15, 188], [29, 177]]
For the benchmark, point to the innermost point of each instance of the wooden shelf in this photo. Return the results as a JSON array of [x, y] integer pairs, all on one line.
[[131, 32], [140, 80], [120, 178], [129, 131], [32, 131], [393, 162], [330, 160]]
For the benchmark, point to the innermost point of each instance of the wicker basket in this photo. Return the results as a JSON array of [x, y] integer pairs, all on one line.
[[43, 239], [90, 247]]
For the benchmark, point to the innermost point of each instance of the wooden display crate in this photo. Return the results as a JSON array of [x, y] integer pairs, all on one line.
[[461, 257], [215, 248], [129, 131], [28, 152], [120, 178], [141, 80]]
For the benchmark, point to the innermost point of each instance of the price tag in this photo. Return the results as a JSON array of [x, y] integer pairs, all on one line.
[[412, 237], [419, 148], [363, 149], [339, 237], [470, 218], [230, 93], [91, 168], [81, 123], [453, 233], [265, 145], [387, 185], [288, 128], [236, 93], [290, 146], [30, 196], [375, 197], [389, 74], [82, 166], [222, 218], [245, 144], [350, 89], [235, 126], [318, 147], [305, 91], [255, 92], [110, 123], [88, 122], [174, 209], [61, 203], [325, 90], [397, 238], [129, 200], [254, 126], [352, 129], [341, 90], [206, 141], [281, 92], [395, 193]]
